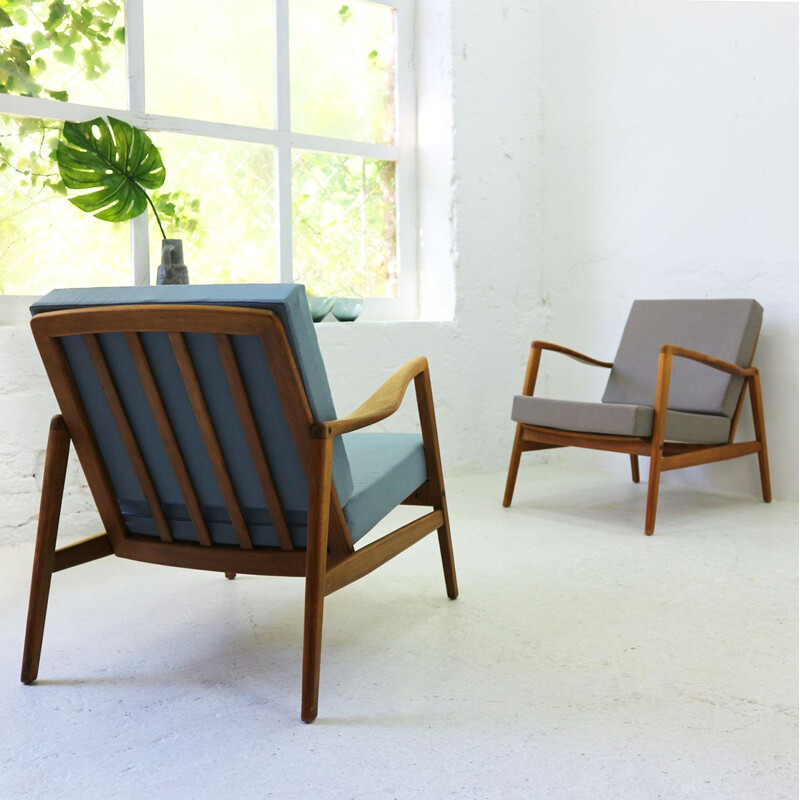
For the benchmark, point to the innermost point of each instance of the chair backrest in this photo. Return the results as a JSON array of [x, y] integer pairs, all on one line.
[[186, 407], [726, 329]]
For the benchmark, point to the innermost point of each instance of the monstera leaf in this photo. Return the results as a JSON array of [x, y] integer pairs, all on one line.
[[116, 160]]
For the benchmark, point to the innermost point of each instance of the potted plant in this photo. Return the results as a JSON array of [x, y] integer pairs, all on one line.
[[115, 163]]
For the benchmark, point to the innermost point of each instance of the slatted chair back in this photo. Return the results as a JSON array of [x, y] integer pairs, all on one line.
[[726, 329], [192, 422]]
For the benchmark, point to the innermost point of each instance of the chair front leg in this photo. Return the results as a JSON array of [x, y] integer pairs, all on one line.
[[657, 447], [319, 494], [528, 387], [55, 471], [513, 467], [430, 441], [761, 435]]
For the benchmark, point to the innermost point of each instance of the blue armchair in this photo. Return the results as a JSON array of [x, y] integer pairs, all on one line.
[[204, 423]]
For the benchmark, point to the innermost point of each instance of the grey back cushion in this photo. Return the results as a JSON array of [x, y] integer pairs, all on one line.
[[726, 329], [289, 303]]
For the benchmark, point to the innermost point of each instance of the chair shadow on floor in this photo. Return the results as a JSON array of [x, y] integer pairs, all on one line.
[[617, 509]]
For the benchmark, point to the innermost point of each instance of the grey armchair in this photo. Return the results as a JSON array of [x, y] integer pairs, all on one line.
[[674, 393]]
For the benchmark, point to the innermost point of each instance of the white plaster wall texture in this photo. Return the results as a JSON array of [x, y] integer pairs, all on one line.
[[26, 406], [670, 169]]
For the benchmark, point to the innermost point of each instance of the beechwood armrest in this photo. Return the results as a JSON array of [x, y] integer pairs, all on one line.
[[709, 361], [574, 354], [531, 373], [382, 404]]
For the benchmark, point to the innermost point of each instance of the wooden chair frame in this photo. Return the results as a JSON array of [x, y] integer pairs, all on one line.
[[329, 562], [664, 455]]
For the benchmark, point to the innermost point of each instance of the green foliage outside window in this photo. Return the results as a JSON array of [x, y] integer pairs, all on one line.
[[34, 34], [37, 39], [343, 207]]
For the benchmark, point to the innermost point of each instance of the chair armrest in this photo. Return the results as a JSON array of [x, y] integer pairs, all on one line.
[[574, 354], [709, 361], [382, 404], [532, 371]]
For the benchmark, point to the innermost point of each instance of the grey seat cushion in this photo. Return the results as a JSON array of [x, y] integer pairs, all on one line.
[[386, 468], [726, 329], [618, 419]]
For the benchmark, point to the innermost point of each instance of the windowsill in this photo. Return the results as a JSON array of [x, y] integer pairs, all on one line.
[[15, 311]]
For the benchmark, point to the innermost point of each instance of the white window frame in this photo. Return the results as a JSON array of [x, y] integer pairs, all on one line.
[[402, 152]]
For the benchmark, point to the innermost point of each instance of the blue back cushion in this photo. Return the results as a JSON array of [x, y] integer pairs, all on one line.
[[289, 303]]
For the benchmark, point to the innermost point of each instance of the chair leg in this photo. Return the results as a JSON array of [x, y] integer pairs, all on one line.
[[513, 467], [635, 468], [652, 493], [312, 653], [445, 542], [55, 471], [657, 443], [230, 575], [433, 460], [446, 549], [761, 436], [319, 494]]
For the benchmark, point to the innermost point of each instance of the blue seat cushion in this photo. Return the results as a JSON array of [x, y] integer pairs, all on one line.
[[386, 469]]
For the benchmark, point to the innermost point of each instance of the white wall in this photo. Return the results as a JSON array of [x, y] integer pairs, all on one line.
[[670, 169]]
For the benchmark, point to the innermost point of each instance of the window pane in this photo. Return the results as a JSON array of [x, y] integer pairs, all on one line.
[[219, 197], [343, 216], [65, 52], [342, 69], [45, 241], [207, 60]]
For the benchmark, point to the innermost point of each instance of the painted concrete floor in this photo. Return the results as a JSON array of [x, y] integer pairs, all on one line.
[[582, 660]]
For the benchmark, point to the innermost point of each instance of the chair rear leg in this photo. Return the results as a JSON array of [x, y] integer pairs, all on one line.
[[513, 467], [634, 468], [761, 436], [55, 470]]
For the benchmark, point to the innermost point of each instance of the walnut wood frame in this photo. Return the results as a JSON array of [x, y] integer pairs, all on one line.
[[664, 455], [329, 562]]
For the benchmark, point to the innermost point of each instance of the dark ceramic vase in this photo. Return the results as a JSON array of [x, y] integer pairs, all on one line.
[[172, 269]]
